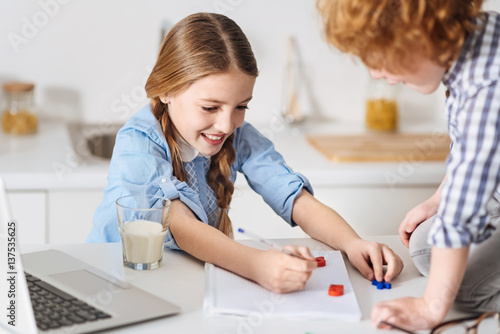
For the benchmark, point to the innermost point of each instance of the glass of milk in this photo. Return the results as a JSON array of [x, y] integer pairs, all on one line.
[[143, 225]]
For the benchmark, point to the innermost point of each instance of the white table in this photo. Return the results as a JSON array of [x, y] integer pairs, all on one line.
[[180, 280]]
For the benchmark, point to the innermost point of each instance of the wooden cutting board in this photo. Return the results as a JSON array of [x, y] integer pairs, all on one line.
[[383, 147]]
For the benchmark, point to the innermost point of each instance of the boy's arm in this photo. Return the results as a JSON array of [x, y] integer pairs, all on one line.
[[472, 171], [326, 225], [446, 274], [418, 215]]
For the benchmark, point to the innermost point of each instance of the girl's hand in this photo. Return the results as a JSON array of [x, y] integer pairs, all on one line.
[[414, 217], [370, 257], [282, 273], [408, 313]]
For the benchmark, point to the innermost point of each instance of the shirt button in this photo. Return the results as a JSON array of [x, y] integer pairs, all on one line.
[[163, 180]]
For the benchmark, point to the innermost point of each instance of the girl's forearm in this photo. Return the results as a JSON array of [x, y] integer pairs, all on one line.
[[321, 222], [446, 273], [209, 244]]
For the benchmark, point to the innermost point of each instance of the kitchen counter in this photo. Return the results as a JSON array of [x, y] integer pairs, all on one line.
[[63, 184], [48, 160], [304, 158]]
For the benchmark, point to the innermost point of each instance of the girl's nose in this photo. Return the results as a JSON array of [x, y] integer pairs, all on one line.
[[225, 122]]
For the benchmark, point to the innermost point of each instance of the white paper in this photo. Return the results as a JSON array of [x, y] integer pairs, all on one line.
[[229, 294]]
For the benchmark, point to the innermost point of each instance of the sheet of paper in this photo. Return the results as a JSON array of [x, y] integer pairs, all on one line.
[[230, 294]]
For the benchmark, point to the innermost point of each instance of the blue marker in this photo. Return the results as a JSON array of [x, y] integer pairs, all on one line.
[[269, 243]]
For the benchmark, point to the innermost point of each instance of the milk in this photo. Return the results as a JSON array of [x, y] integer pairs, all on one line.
[[142, 241]]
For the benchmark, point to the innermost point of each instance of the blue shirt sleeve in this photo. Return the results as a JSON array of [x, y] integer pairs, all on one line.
[[267, 173], [141, 164]]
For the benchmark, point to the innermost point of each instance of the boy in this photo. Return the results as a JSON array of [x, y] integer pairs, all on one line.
[[423, 43]]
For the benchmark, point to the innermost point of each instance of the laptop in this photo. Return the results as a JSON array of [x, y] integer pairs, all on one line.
[[53, 292]]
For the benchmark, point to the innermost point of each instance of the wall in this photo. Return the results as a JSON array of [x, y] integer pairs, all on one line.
[[90, 58]]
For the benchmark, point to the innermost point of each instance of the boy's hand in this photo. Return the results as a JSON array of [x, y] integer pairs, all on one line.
[[414, 217], [408, 313], [370, 257], [282, 273]]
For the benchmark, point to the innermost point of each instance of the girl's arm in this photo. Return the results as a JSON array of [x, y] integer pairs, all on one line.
[[324, 224], [272, 269]]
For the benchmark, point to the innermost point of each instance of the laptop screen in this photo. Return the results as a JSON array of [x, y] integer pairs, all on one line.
[[17, 313]]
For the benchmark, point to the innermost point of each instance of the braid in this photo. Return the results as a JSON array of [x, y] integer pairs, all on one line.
[[161, 113], [218, 178], [198, 46]]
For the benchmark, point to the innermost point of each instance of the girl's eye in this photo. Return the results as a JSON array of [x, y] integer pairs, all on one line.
[[209, 109], [243, 108]]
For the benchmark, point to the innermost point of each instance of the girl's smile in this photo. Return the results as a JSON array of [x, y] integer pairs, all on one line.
[[214, 139]]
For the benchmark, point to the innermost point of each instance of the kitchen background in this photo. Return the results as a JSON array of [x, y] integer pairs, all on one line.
[[90, 59]]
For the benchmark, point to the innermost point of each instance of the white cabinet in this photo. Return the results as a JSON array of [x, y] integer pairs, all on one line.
[[249, 211], [66, 216], [29, 211], [53, 216], [374, 210], [369, 210], [70, 214]]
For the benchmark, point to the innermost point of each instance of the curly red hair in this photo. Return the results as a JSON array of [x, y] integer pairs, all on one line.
[[385, 34]]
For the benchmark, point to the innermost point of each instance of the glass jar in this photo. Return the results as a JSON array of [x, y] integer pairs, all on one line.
[[381, 106], [18, 115]]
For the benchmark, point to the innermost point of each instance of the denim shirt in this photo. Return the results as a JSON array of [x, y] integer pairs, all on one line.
[[142, 164]]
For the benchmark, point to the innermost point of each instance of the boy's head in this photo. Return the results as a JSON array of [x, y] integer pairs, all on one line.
[[401, 39]]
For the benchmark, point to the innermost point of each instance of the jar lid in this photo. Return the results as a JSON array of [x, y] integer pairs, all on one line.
[[17, 87]]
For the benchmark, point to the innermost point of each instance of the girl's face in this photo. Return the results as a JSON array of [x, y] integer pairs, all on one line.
[[208, 112], [425, 79]]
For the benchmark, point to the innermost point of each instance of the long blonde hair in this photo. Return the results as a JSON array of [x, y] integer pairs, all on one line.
[[197, 46]]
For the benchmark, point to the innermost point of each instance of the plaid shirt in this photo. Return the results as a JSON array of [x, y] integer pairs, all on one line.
[[473, 165]]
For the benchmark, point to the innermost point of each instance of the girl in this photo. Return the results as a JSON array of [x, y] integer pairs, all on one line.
[[190, 142]]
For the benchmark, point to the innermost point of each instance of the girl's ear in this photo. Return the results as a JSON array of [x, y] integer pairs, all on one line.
[[164, 99]]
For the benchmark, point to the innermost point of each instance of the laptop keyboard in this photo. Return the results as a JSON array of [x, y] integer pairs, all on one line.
[[54, 308]]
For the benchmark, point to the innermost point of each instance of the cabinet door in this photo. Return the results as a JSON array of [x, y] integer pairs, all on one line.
[[70, 214], [249, 211], [29, 211], [374, 210], [369, 210]]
